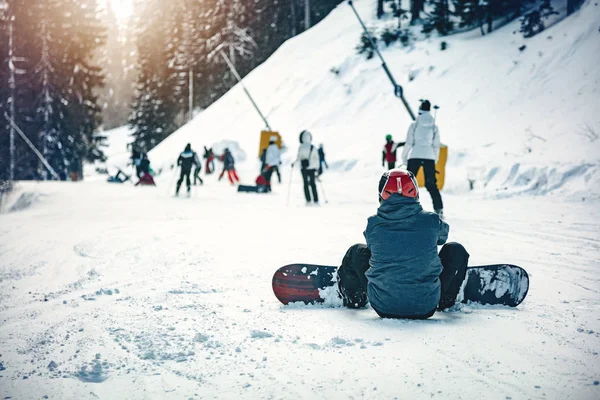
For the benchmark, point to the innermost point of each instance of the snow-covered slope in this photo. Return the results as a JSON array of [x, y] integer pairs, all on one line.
[[113, 291], [515, 121]]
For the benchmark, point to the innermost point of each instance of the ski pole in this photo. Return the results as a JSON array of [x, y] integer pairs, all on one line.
[[290, 186], [323, 190]]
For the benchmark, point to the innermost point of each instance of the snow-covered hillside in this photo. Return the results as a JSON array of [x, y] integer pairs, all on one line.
[[515, 121], [113, 291]]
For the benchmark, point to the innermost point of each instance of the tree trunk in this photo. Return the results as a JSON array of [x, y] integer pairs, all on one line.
[[293, 2], [306, 14], [572, 5], [379, 8], [416, 6]]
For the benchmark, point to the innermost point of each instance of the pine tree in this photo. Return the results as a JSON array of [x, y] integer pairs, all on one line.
[[439, 18], [117, 59], [532, 22], [153, 116]]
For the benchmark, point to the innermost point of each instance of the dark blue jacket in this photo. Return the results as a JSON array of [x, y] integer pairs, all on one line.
[[403, 239], [228, 161]]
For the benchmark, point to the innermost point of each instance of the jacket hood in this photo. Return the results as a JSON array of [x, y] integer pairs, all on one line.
[[425, 118], [305, 137], [398, 207]]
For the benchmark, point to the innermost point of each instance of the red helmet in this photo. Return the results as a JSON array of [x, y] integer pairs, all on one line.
[[398, 181]]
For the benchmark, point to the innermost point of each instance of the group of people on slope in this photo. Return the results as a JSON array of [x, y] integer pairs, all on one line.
[[189, 158]]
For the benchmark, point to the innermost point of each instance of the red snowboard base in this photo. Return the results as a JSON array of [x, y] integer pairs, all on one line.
[[498, 284]]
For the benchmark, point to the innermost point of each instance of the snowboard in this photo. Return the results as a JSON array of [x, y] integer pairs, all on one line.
[[498, 284]]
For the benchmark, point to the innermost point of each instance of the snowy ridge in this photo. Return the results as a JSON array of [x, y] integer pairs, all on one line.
[[516, 122]]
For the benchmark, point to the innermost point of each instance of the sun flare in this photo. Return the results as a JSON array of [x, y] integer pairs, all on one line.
[[122, 8]]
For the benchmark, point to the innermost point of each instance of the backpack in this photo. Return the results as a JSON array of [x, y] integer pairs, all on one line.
[[305, 163]]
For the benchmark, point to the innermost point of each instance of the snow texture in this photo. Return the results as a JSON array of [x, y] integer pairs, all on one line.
[[128, 292]]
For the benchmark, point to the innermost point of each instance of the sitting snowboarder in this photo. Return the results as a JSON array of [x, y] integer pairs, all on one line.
[[186, 160], [399, 270], [262, 185], [117, 178]]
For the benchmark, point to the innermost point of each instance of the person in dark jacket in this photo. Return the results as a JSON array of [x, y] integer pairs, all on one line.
[[229, 167], [186, 160], [399, 270], [322, 160]]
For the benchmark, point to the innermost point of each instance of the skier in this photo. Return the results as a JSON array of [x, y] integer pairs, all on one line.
[[197, 169], [322, 160], [308, 157], [136, 160], [209, 156], [185, 161], [422, 149], [229, 166], [272, 160], [389, 152], [399, 270]]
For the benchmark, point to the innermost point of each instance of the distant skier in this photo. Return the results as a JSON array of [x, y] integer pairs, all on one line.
[[229, 167], [322, 160], [422, 149], [209, 156], [272, 160], [308, 157], [186, 160], [197, 169], [136, 160], [399, 270], [389, 152]]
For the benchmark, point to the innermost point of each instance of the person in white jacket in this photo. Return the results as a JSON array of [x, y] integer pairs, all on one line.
[[273, 159], [308, 156], [422, 149]]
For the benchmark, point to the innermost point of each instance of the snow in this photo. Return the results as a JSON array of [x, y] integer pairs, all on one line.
[[515, 122], [116, 151], [116, 291], [175, 295]]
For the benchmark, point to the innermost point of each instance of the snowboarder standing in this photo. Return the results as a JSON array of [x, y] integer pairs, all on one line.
[[422, 149], [185, 161], [399, 270], [272, 160], [322, 160], [389, 152], [308, 157], [229, 166]]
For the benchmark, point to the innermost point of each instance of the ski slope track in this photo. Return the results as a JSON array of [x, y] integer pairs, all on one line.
[[115, 291], [110, 291]]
